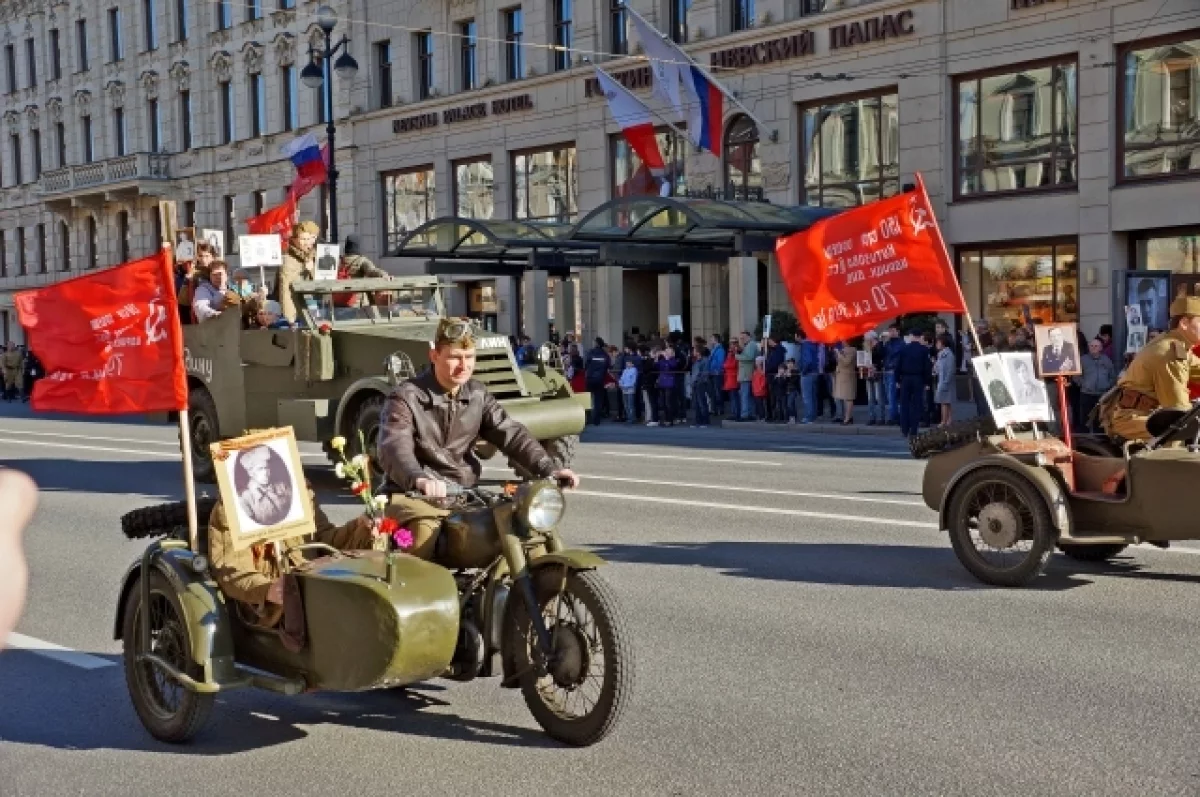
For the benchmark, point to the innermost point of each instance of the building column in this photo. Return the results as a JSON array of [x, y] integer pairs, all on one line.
[[670, 298], [609, 304], [455, 297], [566, 316], [506, 299], [535, 319], [743, 295]]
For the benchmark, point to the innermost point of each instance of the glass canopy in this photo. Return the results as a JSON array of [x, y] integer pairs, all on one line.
[[671, 219], [452, 235]]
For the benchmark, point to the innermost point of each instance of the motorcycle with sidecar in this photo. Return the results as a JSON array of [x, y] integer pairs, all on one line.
[[1009, 498], [512, 602]]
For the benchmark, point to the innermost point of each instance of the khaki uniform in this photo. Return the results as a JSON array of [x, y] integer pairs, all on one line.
[[359, 267], [1157, 378], [246, 576], [12, 362], [296, 266]]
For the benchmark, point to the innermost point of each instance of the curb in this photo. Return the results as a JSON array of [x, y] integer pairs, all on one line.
[[817, 428]]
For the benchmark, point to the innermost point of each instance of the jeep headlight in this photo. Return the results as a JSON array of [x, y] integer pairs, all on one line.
[[541, 507]]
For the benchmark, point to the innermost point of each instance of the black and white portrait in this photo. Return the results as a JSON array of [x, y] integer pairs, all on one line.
[[1056, 346], [1029, 392], [266, 494]]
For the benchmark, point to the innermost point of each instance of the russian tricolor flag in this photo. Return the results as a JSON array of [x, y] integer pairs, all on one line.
[[707, 110], [311, 161]]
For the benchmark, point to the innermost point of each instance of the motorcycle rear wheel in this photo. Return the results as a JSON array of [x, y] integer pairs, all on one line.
[[582, 697]]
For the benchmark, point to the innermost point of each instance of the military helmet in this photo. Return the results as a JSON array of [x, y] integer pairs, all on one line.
[[1185, 306]]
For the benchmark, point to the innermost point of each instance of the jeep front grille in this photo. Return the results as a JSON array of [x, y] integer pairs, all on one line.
[[497, 369]]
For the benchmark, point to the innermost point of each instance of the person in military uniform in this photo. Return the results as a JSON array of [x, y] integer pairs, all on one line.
[[299, 263], [254, 577], [1157, 378], [267, 497], [355, 265], [12, 363], [428, 428]]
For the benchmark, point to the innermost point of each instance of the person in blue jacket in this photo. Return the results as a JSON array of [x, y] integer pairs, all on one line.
[[891, 357], [810, 371], [716, 371], [913, 374]]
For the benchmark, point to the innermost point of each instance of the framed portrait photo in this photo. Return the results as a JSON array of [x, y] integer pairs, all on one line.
[[261, 481], [1057, 350], [1030, 399]]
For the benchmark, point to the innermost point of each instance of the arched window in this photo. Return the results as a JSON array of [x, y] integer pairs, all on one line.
[[743, 169]]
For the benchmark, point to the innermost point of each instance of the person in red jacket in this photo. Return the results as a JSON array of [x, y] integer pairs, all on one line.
[[730, 381], [761, 388]]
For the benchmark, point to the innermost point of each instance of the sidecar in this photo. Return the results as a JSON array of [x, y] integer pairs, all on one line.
[[373, 619], [1007, 501]]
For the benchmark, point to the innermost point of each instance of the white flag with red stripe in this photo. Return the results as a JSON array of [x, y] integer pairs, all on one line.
[[635, 119]]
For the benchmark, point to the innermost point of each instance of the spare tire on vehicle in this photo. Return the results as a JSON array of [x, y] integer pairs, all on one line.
[[165, 520], [946, 438]]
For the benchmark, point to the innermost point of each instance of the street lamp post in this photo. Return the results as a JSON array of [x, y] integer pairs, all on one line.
[[315, 76]]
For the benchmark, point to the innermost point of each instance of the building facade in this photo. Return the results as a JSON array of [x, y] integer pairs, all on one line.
[[1059, 139]]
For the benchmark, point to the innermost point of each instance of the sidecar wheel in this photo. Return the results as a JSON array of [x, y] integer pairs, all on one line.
[[1000, 527], [169, 711], [581, 699]]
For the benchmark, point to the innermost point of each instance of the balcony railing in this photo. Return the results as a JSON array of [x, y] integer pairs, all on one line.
[[101, 174]]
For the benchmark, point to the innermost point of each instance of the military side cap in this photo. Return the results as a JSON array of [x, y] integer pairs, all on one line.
[[1185, 306], [309, 227]]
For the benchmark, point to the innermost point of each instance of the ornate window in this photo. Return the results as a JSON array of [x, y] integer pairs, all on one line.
[[1160, 108], [545, 187], [851, 150], [743, 167], [409, 200]]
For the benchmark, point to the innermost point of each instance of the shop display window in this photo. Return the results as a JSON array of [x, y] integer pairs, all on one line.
[[1038, 283]]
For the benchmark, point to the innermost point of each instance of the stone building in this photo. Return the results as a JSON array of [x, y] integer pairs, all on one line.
[[1059, 139]]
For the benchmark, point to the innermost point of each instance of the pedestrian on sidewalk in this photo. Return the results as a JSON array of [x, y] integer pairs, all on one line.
[[1098, 377], [795, 396], [761, 389], [944, 368], [912, 371], [716, 370], [667, 395], [595, 370], [810, 374], [746, 359], [872, 376], [628, 383], [845, 382], [779, 413], [701, 386], [729, 384], [891, 388]]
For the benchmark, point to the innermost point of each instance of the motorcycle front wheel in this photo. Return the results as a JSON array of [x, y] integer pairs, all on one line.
[[580, 698]]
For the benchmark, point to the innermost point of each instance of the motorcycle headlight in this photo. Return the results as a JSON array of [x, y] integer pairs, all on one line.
[[542, 507]]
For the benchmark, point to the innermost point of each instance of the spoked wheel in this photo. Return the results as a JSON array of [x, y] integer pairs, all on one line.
[[202, 416], [367, 422], [167, 709], [1000, 527], [580, 698]]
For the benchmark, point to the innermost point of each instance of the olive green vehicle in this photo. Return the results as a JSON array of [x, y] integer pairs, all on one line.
[[357, 338], [512, 602], [1008, 500]]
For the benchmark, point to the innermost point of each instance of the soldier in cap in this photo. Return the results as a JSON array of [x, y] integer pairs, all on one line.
[[299, 263], [1157, 378], [267, 497]]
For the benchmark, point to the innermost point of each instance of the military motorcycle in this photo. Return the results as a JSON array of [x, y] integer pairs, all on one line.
[[503, 597]]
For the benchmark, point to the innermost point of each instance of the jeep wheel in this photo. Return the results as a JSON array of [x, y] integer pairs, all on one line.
[[202, 415], [1091, 553], [561, 450], [1000, 527], [367, 422]]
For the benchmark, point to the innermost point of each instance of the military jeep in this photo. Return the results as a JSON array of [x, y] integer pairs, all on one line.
[[329, 375]]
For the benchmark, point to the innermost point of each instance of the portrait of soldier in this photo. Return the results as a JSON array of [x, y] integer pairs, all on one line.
[[264, 486], [1058, 354], [1028, 389], [997, 390]]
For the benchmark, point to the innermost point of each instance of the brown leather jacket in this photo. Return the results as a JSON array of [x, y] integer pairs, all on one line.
[[423, 430]]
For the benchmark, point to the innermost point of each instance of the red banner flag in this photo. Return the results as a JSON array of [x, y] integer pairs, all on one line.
[[849, 273], [278, 219], [110, 342]]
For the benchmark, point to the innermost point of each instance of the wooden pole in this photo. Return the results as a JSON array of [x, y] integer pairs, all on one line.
[[185, 431], [1064, 421]]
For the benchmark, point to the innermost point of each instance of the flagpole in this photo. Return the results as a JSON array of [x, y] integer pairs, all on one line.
[[678, 131], [761, 124], [185, 441]]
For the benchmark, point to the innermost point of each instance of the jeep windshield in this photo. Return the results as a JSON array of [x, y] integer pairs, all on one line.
[[359, 306]]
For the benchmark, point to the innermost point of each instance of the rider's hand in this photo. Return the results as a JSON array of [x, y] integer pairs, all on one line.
[[275, 593], [567, 475], [431, 488], [18, 495]]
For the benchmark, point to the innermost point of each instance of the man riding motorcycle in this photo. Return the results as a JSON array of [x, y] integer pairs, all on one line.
[[1157, 378], [428, 430]]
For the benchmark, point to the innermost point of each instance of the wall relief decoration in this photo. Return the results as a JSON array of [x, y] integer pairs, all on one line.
[[181, 73], [285, 49], [222, 65], [252, 57], [149, 80]]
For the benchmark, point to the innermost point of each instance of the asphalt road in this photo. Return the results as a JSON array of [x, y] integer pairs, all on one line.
[[800, 625]]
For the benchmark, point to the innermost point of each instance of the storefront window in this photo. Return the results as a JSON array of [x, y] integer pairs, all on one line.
[[743, 167], [408, 202], [631, 177], [1161, 108], [1017, 131], [474, 189], [544, 185], [1039, 282], [851, 151], [1178, 253]]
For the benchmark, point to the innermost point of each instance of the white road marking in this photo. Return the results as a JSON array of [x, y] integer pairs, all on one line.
[[698, 456], [173, 455], [893, 452], [50, 650], [760, 510], [729, 489], [142, 441]]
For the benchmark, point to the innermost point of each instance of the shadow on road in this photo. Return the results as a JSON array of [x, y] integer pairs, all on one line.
[[52, 704], [156, 479], [760, 438], [865, 565]]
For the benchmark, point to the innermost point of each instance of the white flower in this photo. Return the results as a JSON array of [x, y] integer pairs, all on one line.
[[359, 461], [340, 470], [381, 502]]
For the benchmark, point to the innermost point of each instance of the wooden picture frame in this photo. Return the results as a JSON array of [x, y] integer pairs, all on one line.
[[1067, 362], [262, 487]]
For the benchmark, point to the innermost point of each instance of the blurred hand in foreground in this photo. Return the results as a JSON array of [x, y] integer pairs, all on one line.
[[18, 498]]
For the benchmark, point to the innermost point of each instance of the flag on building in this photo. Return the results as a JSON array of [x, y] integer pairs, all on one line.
[[707, 110], [311, 161], [668, 63], [278, 219], [850, 272], [110, 342], [635, 120]]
